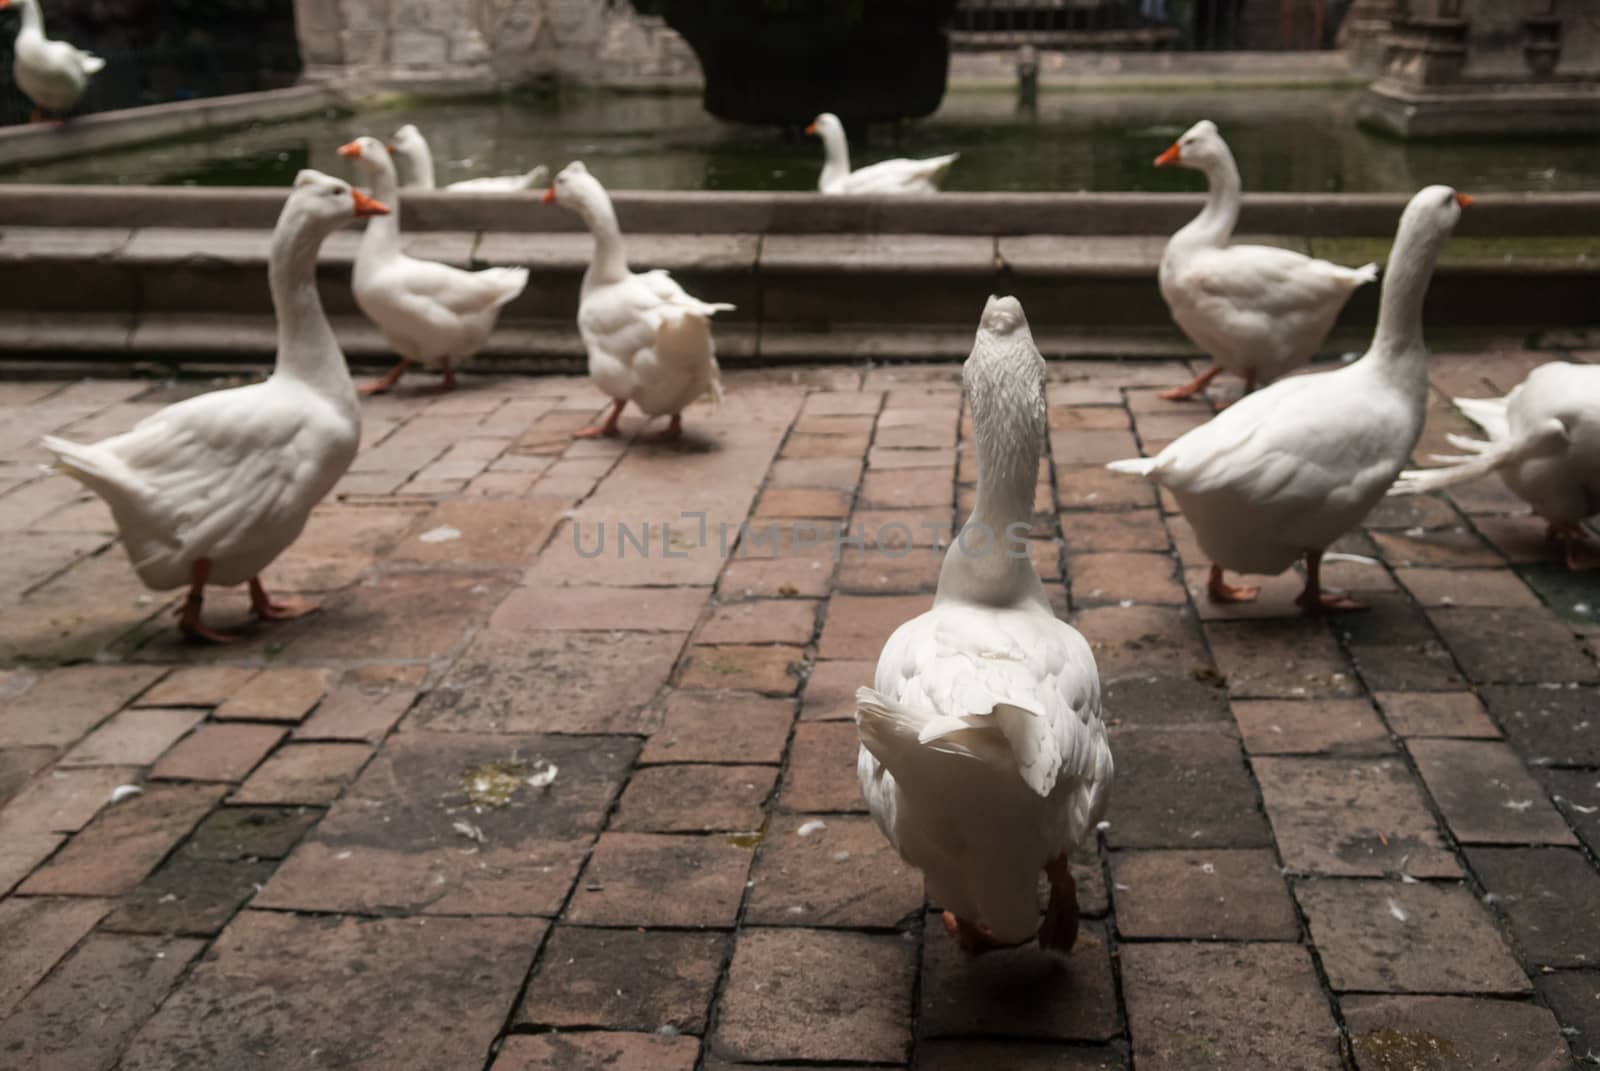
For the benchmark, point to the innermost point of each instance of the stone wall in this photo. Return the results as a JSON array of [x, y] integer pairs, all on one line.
[[489, 41]]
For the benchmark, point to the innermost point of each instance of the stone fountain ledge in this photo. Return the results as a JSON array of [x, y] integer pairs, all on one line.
[[179, 275]]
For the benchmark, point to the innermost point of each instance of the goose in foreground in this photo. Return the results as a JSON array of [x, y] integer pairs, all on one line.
[[649, 342], [983, 751], [889, 176], [53, 74], [415, 158], [212, 489], [1258, 311], [431, 313], [1543, 441], [1283, 472]]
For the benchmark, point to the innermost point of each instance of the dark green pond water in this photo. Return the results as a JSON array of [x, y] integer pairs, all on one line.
[[1285, 140]]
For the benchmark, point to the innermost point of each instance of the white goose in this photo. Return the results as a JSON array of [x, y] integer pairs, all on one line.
[[983, 752], [1544, 441], [1259, 311], [411, 150], [1284, 472], [648, 341], [53, 74], [889, 176], [431, 313], [211, 490]]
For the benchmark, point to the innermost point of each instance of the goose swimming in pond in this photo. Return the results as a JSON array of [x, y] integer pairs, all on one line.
[[889, 176], [983, 751], [1258, 311], [212, 489], [1282, 473], [415, 158], [1543, 442]]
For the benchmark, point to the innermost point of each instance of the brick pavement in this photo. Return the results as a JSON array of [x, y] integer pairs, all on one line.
[[537, 793]]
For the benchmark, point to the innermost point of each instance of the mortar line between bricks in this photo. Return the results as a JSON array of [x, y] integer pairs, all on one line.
[[719, 988]]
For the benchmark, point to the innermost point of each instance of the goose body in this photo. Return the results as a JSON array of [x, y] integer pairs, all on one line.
[[1258, 311], [984, 757], [1543, 440], [432, 314], [1287, 470], [412, 152], [214, 488], [53, 74], [648, 340], [888, 176]]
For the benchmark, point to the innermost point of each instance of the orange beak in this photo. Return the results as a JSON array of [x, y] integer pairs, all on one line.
[[390, 146], [811, 128], [366, 206], [4, 4], [1463, 200], [549, 197], [351, 149], [1171, 156]]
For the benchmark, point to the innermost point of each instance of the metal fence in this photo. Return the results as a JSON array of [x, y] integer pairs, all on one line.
[[1202, 25]]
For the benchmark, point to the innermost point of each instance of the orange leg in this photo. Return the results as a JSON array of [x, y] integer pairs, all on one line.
[[1575, 540], [1313, 600], [606, 428], [1059, 931], [1219, 590], [974, 937], [1193, 387], [378, 386], [262, 606], [449, 382], [671, 433], [189, 614]]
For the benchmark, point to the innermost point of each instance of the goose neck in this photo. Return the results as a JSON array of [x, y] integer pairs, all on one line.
[[610, 261], [1405, 287], [836, 156], [383, 232], [419, 160], [307, 348], [32, 17], [1217, 219]]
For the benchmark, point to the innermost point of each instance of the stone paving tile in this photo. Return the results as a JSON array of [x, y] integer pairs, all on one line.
[[1133, 639], [821, 773], [1576, 794], [1449, 714], [62, 705], [1193, 1006], [722, 727], [650, 981], [134, 737], [771, 669], [1281, 660], [446, 985], [1407, 1031], [1549, 726], [1019, 993], [1551, 897], [1486, 794], [35, 933], [1352, 817], [285, 695], [597, 1051], [1217, 895], [1155, 700], [1183, 789], [1381, 936], [18, 765], [448, 824], [622, 882], [1328, 726], [1574, 996], [790, 621], [1017, 1056], [114, 852], [598, 608], [695, 799], [310, 774], [355, 713], [816, 995], [79, 1019], [197, 686], [1514, 646], [218, 752], [1111, 577], [841, 872]]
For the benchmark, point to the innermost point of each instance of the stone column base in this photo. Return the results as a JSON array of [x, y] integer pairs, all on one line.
[[1481, 109]]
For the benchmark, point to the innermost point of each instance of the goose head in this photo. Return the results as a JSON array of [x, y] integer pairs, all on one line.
[[1435, 209], [370, 155], [407, 140], [326, 203], [826, 126], [1201, 147], [574, 188], [1004, 377]]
